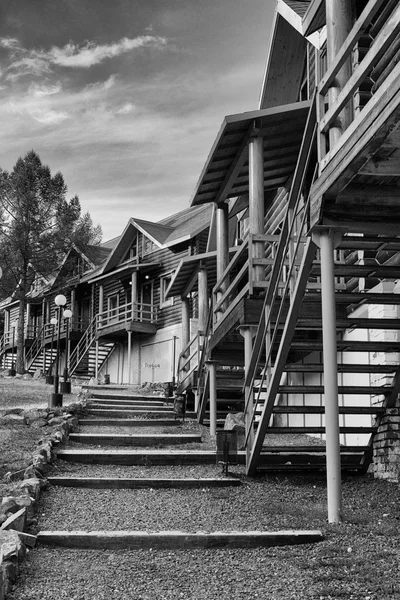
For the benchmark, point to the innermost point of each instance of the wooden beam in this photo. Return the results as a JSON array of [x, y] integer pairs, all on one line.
[[369, 196], [389, 167]]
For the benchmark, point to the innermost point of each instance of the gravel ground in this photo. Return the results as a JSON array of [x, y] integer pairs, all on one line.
[[358, 560]]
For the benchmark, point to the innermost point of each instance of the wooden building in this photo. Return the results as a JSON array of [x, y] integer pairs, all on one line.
[[122, 323], [303, 328]]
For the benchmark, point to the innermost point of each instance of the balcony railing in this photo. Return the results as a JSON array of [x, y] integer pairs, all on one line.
[[379, 69], [137, 311]]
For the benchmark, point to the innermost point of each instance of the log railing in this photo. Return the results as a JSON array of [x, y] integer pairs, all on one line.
[[138, 311], [380, 65]]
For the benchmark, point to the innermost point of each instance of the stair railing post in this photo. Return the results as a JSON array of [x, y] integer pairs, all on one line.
[[129, 355], [212, 368], [96, 367], [256, 202], [326, 241], [248, 333]]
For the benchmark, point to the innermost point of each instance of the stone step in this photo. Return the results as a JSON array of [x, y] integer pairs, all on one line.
[[133, 483], [114, 540], [123, 439], [130, 422], [129, 397]]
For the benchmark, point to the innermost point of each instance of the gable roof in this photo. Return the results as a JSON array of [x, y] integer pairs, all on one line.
[[299, 7]]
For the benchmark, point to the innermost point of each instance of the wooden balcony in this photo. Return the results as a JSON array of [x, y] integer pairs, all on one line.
[[137, 317], [359, 173]]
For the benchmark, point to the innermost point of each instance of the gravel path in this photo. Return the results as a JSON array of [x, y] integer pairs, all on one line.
[[357, 560]]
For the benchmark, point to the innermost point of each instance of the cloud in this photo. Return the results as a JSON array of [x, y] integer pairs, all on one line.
[[37, 62], [38, 91], [126, 109], [48, 116], [91, 54]]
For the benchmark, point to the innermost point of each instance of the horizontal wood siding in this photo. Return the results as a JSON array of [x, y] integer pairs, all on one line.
[[167, 315]]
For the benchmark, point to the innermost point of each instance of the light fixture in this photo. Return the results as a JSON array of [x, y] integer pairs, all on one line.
[[60, 300]]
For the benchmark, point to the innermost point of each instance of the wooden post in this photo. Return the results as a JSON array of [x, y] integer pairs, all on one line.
[[129, 355], [212, 367], [203, 299], [339, 21], [185, 304], [101, 301], [96, 366], [134, 294], [333, 471], [222, 246], [256, 202]]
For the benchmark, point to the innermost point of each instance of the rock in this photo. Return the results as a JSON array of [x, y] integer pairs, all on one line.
[[26, 376], [13, 418], [38, 374], [16, 522], [235, 422], [9, 477], [10, 544], [8, 504], [55, 421], [93, 381], [14, 411]]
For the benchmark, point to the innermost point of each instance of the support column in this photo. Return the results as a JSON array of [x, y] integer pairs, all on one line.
[[185, 304], [222, 246], [101, 301], [203, 299], [28, 318], [256, 202], [129, 355], [248, 332], [74, 323], [339, 21], [134, 293], [212, 368], [333, 472], [96, 367]]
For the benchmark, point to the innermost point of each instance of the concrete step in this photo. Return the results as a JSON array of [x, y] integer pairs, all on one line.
[[128, 412], [131, 397], [133, 484], [113, 540], [123, 439], [133, 404]]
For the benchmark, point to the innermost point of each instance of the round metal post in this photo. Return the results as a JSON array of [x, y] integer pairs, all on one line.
[[56, 399]]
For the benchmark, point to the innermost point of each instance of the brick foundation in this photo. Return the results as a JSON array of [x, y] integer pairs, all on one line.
[[386, 447]]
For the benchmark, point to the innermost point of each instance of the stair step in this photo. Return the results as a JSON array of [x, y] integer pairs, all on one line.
[[138, 399], [141, 457], [114, 540], [129, 403], [131, 483], [310, 449], [343, 270], [122, 439], [357, 297], [309, 430], [320, 410], [349, 346], [342, 389], [130, 422], [349, 368], [123, 406], [104, 412], [349, 323]]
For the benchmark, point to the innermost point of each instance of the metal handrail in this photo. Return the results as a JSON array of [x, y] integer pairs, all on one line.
[[82, 347]]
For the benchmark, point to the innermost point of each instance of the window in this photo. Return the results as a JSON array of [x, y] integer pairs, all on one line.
[[113, 305], [165, 281]]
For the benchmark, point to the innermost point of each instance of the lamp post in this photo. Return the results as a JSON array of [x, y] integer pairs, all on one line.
[[14, 325], [50, 377], [65, 386], [56, 398]]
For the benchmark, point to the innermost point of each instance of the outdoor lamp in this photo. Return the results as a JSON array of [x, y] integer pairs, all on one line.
[[56, 398]]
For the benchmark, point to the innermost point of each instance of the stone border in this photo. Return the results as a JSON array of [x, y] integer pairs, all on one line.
[[20, 506]]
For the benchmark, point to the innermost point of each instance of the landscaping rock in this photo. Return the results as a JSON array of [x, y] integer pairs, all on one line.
[[235, 422]]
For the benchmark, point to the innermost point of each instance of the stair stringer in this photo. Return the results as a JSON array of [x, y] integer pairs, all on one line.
[[253, 453]]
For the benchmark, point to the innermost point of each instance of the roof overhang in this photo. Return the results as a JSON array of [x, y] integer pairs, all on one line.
[[123, 270], [226, 172], [184, 279]]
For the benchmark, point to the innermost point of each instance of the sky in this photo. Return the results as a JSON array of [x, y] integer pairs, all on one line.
[[125, 97]]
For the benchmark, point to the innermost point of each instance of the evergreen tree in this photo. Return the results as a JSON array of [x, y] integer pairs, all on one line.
[[37, 226]]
